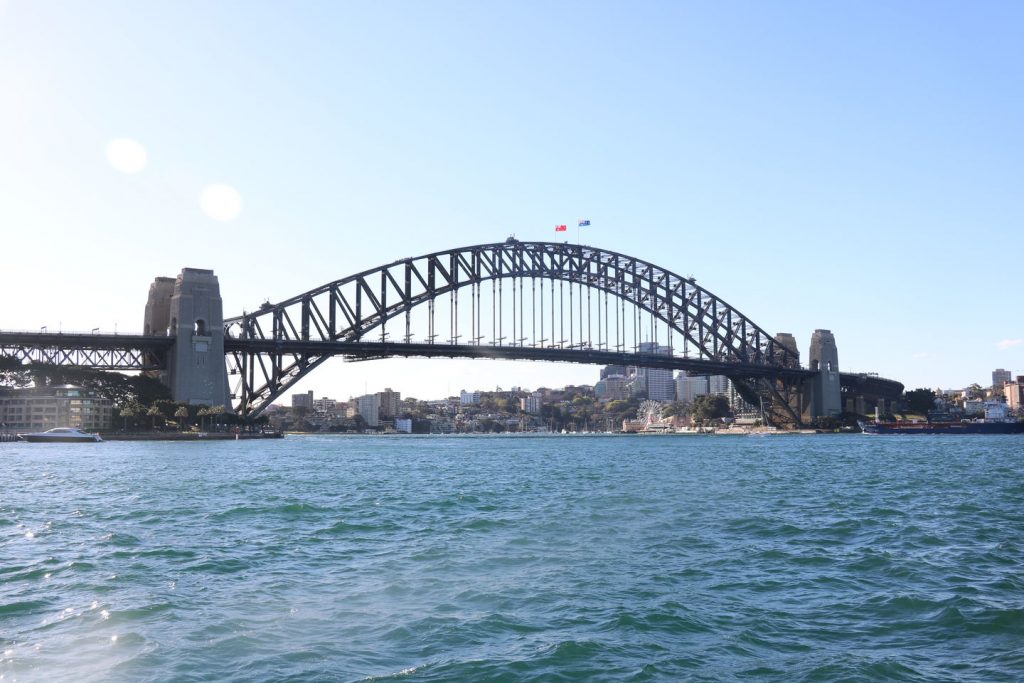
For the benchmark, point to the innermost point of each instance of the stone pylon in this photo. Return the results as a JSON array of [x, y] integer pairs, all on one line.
[[189, 309], [826, 390]]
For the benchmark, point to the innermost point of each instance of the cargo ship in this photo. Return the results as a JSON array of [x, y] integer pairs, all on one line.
[[996, 420], [962, 427]]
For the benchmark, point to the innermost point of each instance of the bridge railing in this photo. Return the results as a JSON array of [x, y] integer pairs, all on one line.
[[45, 330]]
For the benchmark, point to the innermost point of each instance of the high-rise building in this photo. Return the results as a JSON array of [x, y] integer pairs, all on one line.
[[303, 400], [468, 398], [613, 371], [612, 388], [368, 407], [689, 387], [718, 385], [657, 382], [531, 404], [1000, 377], [389, 401]]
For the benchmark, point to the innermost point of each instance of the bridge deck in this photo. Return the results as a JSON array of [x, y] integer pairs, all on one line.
[[359, 350], [83, 340]]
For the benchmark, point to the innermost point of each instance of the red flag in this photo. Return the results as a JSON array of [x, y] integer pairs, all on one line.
[[559, 228]]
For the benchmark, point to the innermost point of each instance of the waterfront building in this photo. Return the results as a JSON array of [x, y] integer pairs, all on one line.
[[368, 407], [403, 425], [42, 408], [1000, 377], [303, 400]]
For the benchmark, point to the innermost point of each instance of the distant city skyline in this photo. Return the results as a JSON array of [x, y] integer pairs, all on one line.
[[684, 390], [852, 168]]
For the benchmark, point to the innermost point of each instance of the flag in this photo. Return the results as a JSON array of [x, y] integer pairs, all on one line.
[[584, 221], [559, 228]]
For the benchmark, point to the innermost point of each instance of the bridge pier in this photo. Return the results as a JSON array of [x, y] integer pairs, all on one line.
[[189, 308], [825, 389]]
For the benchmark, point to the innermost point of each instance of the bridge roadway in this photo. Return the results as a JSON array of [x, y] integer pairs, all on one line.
[[141, 352], [117, 351], [359, 350], [81, 349]]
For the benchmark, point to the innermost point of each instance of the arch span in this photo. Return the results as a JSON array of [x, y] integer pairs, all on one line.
[[278, 344]]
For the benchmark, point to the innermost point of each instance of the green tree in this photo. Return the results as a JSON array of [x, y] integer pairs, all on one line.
[[919, 401], [676, 408], [167, 408], [13, 373], [710, 407], [620, 410], [119, 388]]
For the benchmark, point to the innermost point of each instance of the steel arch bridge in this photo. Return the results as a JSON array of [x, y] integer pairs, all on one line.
[[525, 300]]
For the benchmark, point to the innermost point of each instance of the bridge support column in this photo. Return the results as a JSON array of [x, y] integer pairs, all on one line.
[[825, 388], [196, 368]]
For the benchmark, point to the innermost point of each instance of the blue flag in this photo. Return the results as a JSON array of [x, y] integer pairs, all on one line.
[[584, 221]]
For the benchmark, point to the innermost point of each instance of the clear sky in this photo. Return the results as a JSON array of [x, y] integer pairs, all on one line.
[[856, 166]]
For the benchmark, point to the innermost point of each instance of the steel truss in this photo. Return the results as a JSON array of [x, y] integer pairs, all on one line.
[[103, 352], [305, 330]]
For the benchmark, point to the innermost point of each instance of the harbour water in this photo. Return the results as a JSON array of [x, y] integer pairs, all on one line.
[[811, 558]]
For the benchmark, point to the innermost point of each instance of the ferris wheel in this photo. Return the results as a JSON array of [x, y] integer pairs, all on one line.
[[649, 411]]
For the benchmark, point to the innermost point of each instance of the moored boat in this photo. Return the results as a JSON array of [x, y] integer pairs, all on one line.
[[61, 435]]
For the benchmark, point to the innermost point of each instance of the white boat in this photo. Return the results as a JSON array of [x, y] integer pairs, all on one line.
[[61, 435]]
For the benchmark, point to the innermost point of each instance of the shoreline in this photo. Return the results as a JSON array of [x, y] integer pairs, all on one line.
[[189, 436]]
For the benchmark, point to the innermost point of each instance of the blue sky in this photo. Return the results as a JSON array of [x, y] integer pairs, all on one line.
[[850, 166]]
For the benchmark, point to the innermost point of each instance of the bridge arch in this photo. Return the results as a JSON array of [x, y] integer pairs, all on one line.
[[301, 332]]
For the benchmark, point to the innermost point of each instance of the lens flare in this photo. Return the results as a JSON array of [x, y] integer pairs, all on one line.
[[221, 202], [126, 155]]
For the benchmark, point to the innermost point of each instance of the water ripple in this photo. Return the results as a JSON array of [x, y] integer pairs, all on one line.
[[514, 559]]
